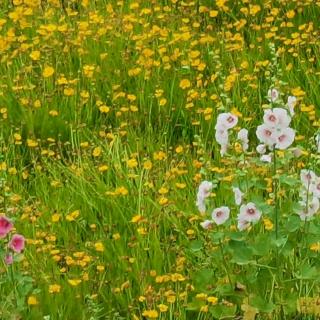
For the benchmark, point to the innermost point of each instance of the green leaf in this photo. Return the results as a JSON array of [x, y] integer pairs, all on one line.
[[220, 311], [203, 278], [216, 237], [262, 305], [307, 272], [196, 245], [241, 253], [293, 223]]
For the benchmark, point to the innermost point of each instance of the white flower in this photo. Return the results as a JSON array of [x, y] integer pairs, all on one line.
[[276, 118], [221, 135], [310, 209], [266, 158], [207, 224], [220, 215], [261, 148], [223, 150], [285, 138], [204, 190], [291, 102], [237, 195], [242, 224], [273, 95], [266, 135], [249, 212], [317, 138], [307, 177], [315, 188], [226, 120], [243, 137]]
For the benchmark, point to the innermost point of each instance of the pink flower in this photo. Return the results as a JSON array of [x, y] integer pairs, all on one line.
[[292, 100], [243, 137], [307, 178], [237, 195], [207, 224], [249, 212], [220, 215], [243, 225], [266, 135], [5, 226], [8, 259], [17, 243], [261, 148], [226, 120], [316, 187], [203, 193], [285, 138], [276, 118], [309, 210], [221, 135], [273, 95]]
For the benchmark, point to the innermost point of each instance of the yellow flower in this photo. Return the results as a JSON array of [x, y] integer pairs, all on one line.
[[132, 163], [185, 84], [54, 288], [212, 300], [96, 151], [31, 143], [290, 14], [315, 247], [99, 246], [162, 307], [74, 282], [73, 215], [35, 55], [147, 165], [268, 224], [32, 301], [136, 218], [48, 72], [213, 13], [152, 314], [55, 217]]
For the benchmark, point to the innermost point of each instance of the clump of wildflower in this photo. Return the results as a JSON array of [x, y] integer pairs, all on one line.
[[203, 193], [249, 213], [309, 194], [225, 122]]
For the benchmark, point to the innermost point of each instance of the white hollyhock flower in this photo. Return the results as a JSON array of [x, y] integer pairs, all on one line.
[[285, 138], [276, 118], [243, 224], [249, 212], [221, 135], [220, 215], [291, 102], [243, 137], [261, 148], [237, 195], [226, 120], [204, 190], [266, 158], [207, 224], [273, 95], [307, 178], [266, 135], [309, 209]]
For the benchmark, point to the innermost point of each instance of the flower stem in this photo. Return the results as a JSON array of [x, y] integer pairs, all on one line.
[[275, 192], [225, 264]]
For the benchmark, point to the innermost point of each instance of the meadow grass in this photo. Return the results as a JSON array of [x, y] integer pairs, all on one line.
[[107, 117]]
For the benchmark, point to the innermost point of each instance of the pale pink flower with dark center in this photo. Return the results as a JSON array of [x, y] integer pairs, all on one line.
[[266, 135], [285, 138], [220, 215], [276, 118], [315, 188], [243, 137], [273, 95], [207, 224], [17, 243], [221, 135], [226, 120], [307, 178], [249, 212], [309, 209], [5, 226]]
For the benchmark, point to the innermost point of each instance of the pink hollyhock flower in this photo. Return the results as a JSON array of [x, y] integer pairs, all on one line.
[[276, 118], [266, 158], [291, 102], [273, 95], [17, 243], [285, 138], [309, 210], [266, 135], [316, 187], [220, 215], [242, 224], [237, 195], [307, 178], [243, 137], [221, 135], [5, 226], [207, 224], [261, 148], [204, 190], [8, 259], [249, 212], [226, 120]]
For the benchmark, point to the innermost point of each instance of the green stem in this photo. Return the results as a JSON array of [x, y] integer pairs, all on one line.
[[275, 192], [225, 264]]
